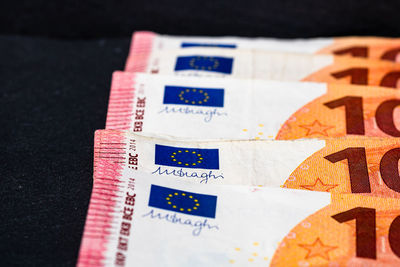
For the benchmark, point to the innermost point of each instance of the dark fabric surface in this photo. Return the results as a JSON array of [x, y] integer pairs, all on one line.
[[53, 96], [281, 18]]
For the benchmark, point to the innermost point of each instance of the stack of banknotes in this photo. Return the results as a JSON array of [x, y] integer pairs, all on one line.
[[249, 152]]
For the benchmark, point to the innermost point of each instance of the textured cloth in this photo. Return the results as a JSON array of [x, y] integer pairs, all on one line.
[[54, 95], [280, 18]]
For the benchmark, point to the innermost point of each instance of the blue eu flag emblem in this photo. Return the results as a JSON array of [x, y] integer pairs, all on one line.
[[182, 201], [188, 44], [198, 158], [213, 64], [193, 96]]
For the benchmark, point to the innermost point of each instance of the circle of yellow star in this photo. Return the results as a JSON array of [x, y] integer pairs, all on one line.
[[170, 197], [205, 95], [174, 156]]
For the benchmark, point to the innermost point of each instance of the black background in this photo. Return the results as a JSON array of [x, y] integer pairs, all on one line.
[[280, 18], [56, 61]]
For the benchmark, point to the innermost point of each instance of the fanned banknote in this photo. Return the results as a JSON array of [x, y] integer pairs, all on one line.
[[343, 165], [249, 109], [208, 172], [365, 47], [136, 219], [259, 64]]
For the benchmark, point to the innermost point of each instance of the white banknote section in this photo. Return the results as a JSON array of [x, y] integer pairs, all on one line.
[[167, 42], [208, 236], [244, 109], [261, 163], [246, 64]]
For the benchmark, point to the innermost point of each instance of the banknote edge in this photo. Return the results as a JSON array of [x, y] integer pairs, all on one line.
[[121, 101], [140, 51], [101, 221]]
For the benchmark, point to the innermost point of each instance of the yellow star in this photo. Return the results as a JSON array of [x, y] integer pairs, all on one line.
[[316, 128], [317, 249], [319, 186]]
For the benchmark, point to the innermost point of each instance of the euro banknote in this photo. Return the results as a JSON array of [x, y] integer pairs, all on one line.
[[365, 47], [256, 64], [249, 109], [136, 219], [341, 165]]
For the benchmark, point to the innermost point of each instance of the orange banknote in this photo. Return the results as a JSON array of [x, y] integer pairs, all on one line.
[[139, 219], [351, 165], [249, 109], [351, 231], [256, 64], [361, 112], [366, 166], [365, 47]]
